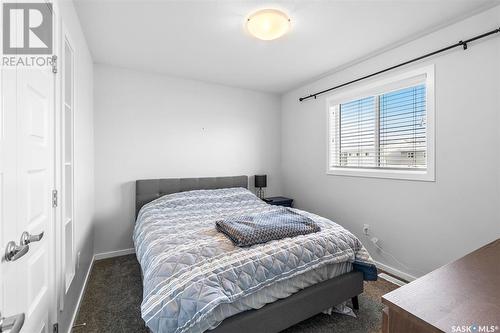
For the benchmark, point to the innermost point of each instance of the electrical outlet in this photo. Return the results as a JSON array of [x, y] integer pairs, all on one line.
[[366, 229], [78, 260]]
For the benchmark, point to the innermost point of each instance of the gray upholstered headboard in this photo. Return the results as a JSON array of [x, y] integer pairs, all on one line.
[[150, 189]]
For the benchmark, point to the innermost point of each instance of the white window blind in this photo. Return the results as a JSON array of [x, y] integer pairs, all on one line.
[[402, 129], [355, 128], [386, 130]]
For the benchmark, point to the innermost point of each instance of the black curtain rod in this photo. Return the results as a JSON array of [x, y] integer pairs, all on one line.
[[462, 43]]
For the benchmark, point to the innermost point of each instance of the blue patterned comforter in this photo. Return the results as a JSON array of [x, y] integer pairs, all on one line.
[[190, 269]]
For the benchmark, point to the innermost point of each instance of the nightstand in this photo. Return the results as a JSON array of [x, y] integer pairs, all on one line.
[[279, 201]]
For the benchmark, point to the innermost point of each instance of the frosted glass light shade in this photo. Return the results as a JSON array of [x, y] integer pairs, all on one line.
[[268, 24]]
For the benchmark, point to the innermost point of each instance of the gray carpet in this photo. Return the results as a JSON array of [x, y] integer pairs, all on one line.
[[112, 300]]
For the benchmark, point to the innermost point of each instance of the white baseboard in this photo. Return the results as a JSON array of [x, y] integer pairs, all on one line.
[[80, 297], [392, 279], [395, 272], [105, 255]]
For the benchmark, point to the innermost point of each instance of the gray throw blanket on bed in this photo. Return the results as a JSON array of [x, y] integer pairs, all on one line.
[[267, 226]]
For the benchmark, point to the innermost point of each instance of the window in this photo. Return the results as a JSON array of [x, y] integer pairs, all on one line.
[[385, 129]]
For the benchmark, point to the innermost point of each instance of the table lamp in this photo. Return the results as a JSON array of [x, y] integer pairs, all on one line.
[[260, 182]]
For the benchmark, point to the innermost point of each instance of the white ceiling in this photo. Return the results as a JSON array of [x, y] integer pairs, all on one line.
[[206, 40]]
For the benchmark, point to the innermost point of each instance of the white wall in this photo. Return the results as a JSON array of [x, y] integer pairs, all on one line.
[[155, 126], [424, 224], [84, 160]]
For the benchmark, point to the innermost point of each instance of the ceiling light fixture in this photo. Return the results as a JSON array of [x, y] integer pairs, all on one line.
[[268, 24]]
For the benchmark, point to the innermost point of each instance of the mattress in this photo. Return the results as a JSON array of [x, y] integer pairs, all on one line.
[[194, 277]]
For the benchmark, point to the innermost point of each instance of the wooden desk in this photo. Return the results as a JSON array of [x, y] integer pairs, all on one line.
[[465, 293]]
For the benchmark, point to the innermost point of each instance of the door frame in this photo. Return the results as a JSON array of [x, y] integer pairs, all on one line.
[[1, 168], [58, 162], [54, 248]]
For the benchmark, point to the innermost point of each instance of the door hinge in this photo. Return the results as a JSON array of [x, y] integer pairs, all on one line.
[[54, 198], [55, 328], [54, 64]]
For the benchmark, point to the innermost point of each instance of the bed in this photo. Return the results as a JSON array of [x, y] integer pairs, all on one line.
[[196, 280]]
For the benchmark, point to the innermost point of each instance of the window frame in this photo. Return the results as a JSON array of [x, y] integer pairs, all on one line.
[[381, 86]]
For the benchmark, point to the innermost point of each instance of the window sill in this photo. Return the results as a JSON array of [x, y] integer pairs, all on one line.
[[427, 176]]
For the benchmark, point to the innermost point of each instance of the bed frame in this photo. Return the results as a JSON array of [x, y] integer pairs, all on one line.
[[276, 316]]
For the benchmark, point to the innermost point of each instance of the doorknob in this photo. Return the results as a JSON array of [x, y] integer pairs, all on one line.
[[27, 238], [12, 324], [14, 252]]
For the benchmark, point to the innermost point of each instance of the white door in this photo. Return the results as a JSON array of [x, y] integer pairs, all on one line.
[[26, 182]]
